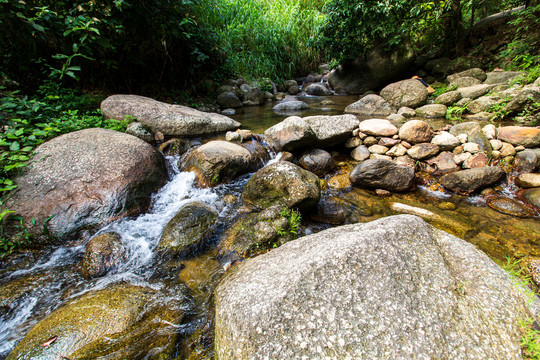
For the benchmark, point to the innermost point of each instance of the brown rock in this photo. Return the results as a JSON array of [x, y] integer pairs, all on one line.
[[520, 135], [476, 161], [415, 131], [423, 151]]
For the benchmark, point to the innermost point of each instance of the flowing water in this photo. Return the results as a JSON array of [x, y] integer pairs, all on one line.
[[35, 284]]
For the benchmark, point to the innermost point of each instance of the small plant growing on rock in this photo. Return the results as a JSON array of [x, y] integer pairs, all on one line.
[[294, 219]]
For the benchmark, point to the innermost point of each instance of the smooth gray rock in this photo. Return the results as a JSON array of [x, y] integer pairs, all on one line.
[[482, 104], [86, 179], [468, 181], [332, 130], [473, 92], [395, 288], [445, 141], [294, 105], [360, 153], [502, 77], [174, 120], [229, 99], [465, 81], [382, 174], [371, 105], [449, 98]]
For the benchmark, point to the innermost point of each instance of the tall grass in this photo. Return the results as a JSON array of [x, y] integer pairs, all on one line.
[[266, 38]]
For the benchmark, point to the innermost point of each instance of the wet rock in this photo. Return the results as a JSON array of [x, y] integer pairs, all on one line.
[[380, 273], [468, 181], [423, 151], [508, 206], [228, 112], [502, 77], [378, 127], [449, 98], [317, 161], [188, 229], [175, 147], [476, 161], [431, 111], [415, 131], [103, 254], [482, 104], [86, 179], [520, 135], [282, 183], [371, 105], [528, 161], [218, 162], [532, 196], [294, 105], [141, 131], [318, 89], [524, 98], [382, 174], [123, 321], [474, 72], [444, 163], [233, 136], [339, 181], [332, 130], [173, 120], [528, 180], [407, 112], [255, 232], [445, 141], [409, 93], [465, 81], [290, 134], [473, 92], [361, 153]]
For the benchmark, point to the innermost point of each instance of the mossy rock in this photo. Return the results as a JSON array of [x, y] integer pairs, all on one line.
[[284, 184], [119, 322], [189, 228], [103, 254]]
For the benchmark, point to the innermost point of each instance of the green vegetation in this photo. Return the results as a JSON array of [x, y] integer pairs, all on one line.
[[455, 112], [530, 341], [294, 219]]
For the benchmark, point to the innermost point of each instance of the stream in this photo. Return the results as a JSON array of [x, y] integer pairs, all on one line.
[[36, 283]]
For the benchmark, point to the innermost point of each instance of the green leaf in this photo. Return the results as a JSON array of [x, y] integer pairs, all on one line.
[[14, 146], [38, 27]]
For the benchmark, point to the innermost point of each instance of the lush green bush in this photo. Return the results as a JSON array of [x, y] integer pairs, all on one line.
[[268, 38]]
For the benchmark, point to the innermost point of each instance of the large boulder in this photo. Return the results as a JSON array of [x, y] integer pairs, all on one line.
[[86, 179], [448, 98], [282, 183], [474, 72], [431, 111], [527, 161], [188, 229], [332, 130], [136, 318], [290, 134], [482, 104], [468, 181], [520, 135], [382, 174], [174, 120], [374, 70], [473, 92], [410, 93], [395, 288], [371, 105], [465, 82], [218, 162]]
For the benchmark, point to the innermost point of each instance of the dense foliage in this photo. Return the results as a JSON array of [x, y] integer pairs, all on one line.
[[352, 28]]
